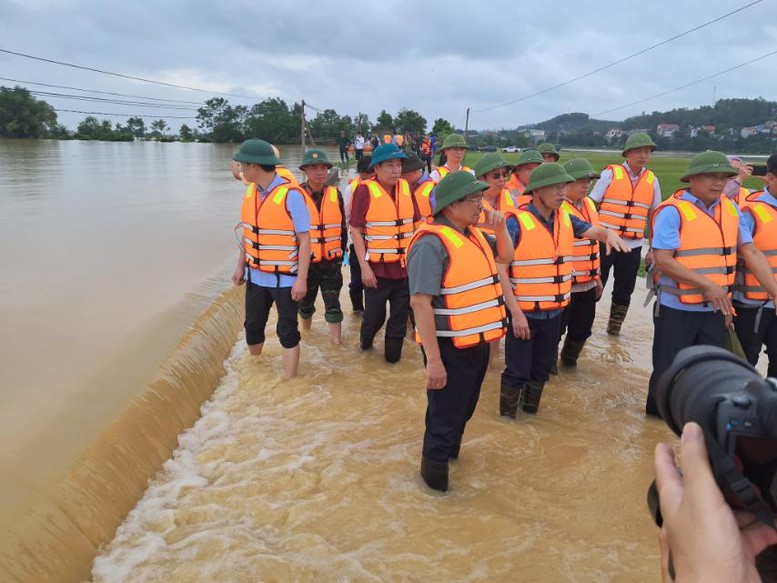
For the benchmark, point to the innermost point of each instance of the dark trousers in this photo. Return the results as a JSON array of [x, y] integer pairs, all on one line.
[[355, 287], [577, 319], [752, 340], [626, 266], [359, 154], [675, 330], [259, 301], [397, 293], [448, 409], [343, 154], [428, 164], [327, 276], [530, 360]]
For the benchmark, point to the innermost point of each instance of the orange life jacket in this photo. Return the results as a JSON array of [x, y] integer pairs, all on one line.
[[541, 270], [625, 206], [514, 186], [742, 195], [400, 140], [268, 231], [422, 196], [444, 171], [284, 172], [765, 239], [708, 245], [585, 267], [473, 309], [504, 204], [387, 139], [325, 226], [389, 223], [426, 147]]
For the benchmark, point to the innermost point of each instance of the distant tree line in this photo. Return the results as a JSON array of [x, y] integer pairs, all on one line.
[[24, 116]]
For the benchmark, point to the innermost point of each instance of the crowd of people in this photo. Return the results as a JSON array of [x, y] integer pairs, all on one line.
[[517, 251]]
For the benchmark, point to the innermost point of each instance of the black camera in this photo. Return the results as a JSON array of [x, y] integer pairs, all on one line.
[[737, 410]]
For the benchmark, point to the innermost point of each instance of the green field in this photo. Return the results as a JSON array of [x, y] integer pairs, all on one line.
[[668, 169]]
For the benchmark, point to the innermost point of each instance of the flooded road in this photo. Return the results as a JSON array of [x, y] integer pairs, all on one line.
[[316, 479]]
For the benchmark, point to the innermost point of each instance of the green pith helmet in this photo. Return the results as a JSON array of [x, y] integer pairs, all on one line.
[[638, 140], [548, 148], [386, 152], [314, 156], [412, 163], [454, 141], [529, 157], [454, 187], [548, 174], [709, 162], [491, 162], [579, 168], [256, 152]]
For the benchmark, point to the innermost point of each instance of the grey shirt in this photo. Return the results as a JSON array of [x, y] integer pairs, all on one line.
[[428, 261]]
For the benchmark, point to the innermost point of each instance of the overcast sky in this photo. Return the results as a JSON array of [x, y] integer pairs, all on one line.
[[435, 57]]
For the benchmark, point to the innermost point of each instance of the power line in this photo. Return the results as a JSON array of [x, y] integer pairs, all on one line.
[[123, 76], [109, 101], [602, 68], [100, 92], [127, 115], [707, 78]]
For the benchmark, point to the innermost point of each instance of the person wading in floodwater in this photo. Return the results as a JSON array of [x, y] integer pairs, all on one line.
[[276, 254]]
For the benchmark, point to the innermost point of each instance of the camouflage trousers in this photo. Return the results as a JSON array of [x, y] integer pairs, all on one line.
[[328, 276]]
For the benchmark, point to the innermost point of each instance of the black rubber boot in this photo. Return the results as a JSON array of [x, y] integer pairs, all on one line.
[[617, 316], [509, 400], [435, 474], [393, 349], [532, 396], [571, 351]]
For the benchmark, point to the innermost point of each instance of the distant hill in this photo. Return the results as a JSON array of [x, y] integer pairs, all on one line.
[[727, 113]]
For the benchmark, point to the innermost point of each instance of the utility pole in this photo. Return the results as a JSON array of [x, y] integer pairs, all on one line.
[[466, 126], [302, 130]]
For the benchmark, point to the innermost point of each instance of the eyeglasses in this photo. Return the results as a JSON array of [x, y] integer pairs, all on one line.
[[498, 175], [478, 198]]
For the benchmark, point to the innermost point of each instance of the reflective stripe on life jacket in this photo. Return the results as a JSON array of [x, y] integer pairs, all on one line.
[[389, 223], [325, 226], [284, 172], [625, 206], [268, 231], [585, 267], [708, 245], [473, 307], [422, 196], [443, 171], [765, 239], [541, 270], [504, 204]]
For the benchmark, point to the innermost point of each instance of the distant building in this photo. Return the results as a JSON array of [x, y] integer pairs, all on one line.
[[667, 130], [536, 135], [710, 130], [748, 131], [613, 134]]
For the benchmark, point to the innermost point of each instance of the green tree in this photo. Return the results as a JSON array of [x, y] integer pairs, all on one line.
[[328, 124], [441, 128], [411, 121], [384, 122], [136, 126], [159, 125], [23, 116], [185, 133], [221, 122], [273, 121]]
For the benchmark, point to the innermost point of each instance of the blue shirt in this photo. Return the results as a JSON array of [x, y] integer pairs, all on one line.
[[747, 226], [578, 226], [300, 216], [666, 235]]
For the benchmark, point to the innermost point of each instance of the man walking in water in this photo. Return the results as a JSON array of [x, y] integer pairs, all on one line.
[[276, 251], [343, 142], [459, 310], [626, 195]]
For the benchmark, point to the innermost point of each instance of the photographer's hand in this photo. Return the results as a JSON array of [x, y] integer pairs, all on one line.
[[707, 540]]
